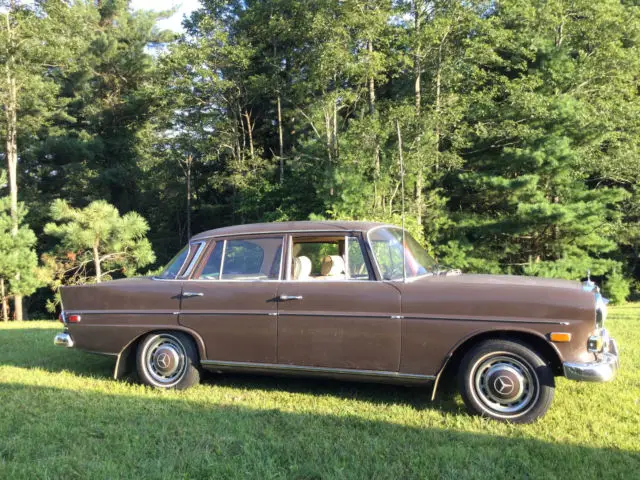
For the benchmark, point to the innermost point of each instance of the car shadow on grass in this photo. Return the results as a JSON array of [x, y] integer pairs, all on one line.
[[418, 397], [33, 348], [60, 433]]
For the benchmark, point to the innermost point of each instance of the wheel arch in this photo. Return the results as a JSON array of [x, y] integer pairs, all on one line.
[[533, 339], [125, 361]]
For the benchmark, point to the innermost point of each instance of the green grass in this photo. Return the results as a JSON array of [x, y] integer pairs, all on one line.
[[61, 416]]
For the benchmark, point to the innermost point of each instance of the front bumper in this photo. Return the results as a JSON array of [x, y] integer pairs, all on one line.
[[63, 340], [601, 370]]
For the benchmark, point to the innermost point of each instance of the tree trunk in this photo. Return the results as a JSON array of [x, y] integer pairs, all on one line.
[[438, 105], [11, 150], [336, 151], [560, 34], [376, 203], [417, 61], [247, 115], [241, 146], [327, 126], [5, 305], [372, 110], [372, 85], [96, 261], [417, 70], [401, 158], [418, 196], [185, 165], [280, 140], [188, 172]]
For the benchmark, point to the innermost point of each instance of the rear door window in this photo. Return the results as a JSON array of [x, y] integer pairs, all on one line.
[[248, 259]]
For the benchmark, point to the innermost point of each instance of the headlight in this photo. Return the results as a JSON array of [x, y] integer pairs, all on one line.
[[598, 342], [601, 302], [601, 310], [595, 343]]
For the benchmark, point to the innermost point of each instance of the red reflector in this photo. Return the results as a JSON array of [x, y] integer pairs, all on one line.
[[73, 318]]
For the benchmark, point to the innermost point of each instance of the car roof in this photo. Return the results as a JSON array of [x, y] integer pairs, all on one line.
[[288, 227]]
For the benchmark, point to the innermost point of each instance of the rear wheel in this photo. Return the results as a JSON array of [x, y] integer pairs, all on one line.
[[168, 360], [507, 381]]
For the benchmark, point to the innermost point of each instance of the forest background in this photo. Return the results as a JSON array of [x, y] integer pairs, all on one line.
[[519, 120]]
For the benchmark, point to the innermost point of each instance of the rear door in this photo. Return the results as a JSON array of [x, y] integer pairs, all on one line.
[[337, 316], [230, 299]]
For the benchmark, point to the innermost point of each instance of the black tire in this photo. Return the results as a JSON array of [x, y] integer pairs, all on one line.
[[168, 360], [507, 381]]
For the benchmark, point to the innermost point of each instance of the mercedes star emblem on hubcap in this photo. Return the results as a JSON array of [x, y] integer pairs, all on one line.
[[163, 360], [503, 385]]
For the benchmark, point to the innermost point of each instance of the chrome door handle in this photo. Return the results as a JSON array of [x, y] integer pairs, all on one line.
[[192, 294], [284, 298]]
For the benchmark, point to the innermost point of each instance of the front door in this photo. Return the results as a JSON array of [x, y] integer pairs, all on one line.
[[332, 314], [230, 299]]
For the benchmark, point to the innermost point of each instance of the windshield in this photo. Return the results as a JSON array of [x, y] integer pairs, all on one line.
[[386, 244], [173, 267]]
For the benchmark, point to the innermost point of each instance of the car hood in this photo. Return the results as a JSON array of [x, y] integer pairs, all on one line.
[[497, 297]]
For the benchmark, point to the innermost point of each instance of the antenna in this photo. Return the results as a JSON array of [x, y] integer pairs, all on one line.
[[404, 243]]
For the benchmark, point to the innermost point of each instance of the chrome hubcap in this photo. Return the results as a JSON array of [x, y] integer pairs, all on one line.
[[505, 384], [165, 359]]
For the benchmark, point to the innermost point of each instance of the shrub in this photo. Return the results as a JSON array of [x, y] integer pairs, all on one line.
[[617, 288]]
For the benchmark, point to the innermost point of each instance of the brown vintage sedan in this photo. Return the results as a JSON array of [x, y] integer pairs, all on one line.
[[345, 300]]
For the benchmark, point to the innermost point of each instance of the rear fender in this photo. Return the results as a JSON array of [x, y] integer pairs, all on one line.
[[126, 359]]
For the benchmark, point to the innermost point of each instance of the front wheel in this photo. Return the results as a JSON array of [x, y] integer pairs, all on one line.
[[506, 381], [168, 360]]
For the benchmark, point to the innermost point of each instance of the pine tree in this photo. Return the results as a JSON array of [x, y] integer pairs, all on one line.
[[19, 272], [96, 242]]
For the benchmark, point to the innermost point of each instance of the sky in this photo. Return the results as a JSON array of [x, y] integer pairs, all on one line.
[[185, 7]]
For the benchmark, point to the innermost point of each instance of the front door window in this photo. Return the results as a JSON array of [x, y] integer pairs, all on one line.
[[328, 258]]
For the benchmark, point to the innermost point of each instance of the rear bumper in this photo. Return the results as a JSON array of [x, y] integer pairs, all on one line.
[[601, 370], [63, 340]]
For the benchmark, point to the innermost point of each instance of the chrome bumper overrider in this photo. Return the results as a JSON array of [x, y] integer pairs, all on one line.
[[63, 340], [601, 370]]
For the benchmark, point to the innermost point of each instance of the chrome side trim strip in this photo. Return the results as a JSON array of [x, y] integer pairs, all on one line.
[[333, 314], [228, 312], [314, 314], [224, 252], [426, 318], [298, 368], [172, 312], [488, 320], [123, 312]]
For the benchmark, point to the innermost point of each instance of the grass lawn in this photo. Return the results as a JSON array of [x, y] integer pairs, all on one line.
[[62, 416]]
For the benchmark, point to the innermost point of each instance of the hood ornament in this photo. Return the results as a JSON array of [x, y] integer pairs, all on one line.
[[589, 285]]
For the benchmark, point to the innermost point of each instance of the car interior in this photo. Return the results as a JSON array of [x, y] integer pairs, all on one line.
[[327, 259]]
